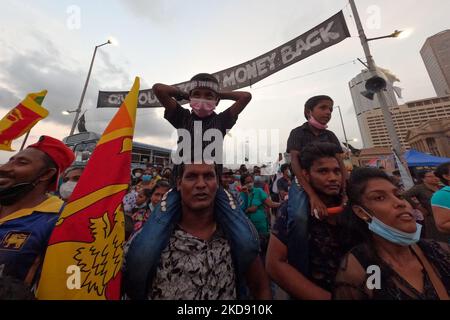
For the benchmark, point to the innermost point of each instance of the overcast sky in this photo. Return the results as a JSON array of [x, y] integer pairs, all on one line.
[[42, 46]]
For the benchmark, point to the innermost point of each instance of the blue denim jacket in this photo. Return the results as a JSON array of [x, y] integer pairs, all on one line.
[[145, 250], [298, 215]]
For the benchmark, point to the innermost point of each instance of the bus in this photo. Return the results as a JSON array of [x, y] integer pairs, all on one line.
[[83, 144]]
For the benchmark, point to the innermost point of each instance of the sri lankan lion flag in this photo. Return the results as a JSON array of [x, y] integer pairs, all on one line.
[[21, 119], [84, 255]]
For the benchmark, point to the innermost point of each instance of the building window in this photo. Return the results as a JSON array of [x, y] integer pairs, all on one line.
[[431, 143], [135, 157]]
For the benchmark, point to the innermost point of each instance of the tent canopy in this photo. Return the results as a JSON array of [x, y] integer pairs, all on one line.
[[415, 158]]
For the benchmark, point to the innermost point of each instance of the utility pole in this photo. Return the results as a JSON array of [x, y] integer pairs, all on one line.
[[396, 145]]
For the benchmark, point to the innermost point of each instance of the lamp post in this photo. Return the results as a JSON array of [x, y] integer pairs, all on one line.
[[67, 112], [342, 122], [394, 34], [396, 145], [78, 110], [345, 134]]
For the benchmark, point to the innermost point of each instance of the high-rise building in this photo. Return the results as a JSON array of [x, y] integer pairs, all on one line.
[[406, 117], [436, 56], [363, 104]]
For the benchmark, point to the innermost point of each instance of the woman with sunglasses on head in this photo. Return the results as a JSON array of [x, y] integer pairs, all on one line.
[[391, 263]]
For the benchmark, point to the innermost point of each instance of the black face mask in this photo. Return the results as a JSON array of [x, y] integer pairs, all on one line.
[[11, 195]]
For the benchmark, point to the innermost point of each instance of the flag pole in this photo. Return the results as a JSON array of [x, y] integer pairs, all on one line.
[[25, 140]]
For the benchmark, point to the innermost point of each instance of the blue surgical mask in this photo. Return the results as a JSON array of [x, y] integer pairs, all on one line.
[[394, 235], [146, 178]]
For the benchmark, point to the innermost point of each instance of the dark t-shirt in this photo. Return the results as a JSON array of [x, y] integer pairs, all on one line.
[[352, 284], [423, 195], [325, 248], [182, 118], [283, 184], [301, 136]]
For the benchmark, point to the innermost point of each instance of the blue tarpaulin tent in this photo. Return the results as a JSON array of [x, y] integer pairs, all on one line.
[[415, 158]]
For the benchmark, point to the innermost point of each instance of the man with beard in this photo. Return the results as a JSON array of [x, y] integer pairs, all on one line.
[[305, 251], [27, 213], [196, 245], [318, 111]]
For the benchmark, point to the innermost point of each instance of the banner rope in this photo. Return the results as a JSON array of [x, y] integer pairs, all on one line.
[[307, 74]]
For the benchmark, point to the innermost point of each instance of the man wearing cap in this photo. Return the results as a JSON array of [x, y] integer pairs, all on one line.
[[27, 213], [204, 96], [228, 182]]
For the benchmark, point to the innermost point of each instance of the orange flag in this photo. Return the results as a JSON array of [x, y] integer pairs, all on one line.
[[84, 254], [21, 119]]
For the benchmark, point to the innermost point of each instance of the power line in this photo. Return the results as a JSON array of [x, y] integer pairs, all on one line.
[[306, 75]]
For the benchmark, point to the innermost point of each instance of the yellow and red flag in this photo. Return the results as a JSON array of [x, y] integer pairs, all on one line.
[[21, 119], [85, 251]]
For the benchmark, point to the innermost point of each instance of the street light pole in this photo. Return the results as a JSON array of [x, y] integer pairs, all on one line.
[[345, 134], [78, 110], [343, 127], [396, 145], [395, 34]]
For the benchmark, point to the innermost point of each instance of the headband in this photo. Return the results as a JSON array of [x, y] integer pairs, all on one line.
[[194, 84]]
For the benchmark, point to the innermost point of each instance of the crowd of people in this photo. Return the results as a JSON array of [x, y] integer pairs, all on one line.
[[200, 231]]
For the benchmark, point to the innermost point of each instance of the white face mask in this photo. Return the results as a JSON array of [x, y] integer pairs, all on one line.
[[138, 174], [66, 189]]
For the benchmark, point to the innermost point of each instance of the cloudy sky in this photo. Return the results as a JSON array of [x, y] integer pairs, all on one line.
[[48, 44]]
